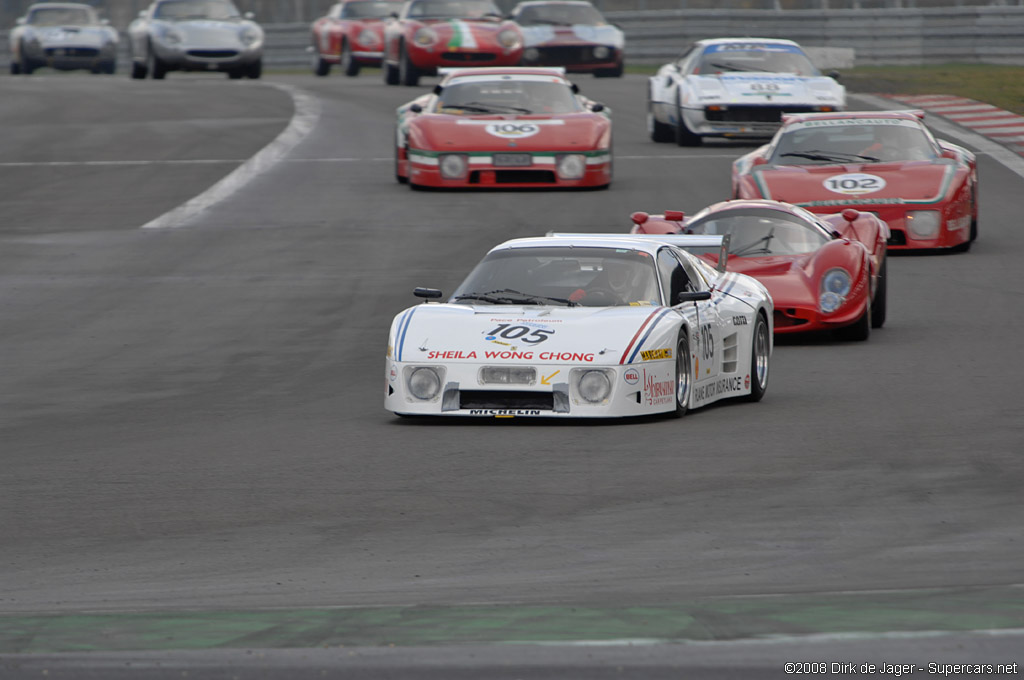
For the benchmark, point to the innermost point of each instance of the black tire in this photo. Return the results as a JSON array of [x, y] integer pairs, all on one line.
[[25, 66], [139, 71], [683, 135], [157, 68], [858, 331], [683, 371], [760, 358], [110, 67], [15, 68], [878, 305], [254, 70], [408, 74], [321, 67], [349, 65], [974, 208], [390, 73], [659, 132], [399, 178]]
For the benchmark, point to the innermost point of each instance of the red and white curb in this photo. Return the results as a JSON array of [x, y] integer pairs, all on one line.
[[999, 125]]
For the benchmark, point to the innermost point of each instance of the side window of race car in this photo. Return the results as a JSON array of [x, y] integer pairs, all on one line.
[[674, 279], [684, 62]]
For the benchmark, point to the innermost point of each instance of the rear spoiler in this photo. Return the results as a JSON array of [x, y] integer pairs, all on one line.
[[697, 244], [445, 70]]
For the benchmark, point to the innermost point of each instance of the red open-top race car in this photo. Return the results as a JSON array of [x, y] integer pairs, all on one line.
[[884, 162], [824, 272]]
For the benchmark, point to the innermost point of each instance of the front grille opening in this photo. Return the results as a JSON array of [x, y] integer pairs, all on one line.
[[213, 54], [469, 56], [753, 114], [514, 176], [787, 318], [72, 51], [544, 401], [897, 237]]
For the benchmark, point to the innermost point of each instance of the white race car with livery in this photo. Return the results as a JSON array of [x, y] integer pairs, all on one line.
[[736, 87], [584, 326]]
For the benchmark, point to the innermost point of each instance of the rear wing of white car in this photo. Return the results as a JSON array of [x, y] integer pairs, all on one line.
[[698, 244]]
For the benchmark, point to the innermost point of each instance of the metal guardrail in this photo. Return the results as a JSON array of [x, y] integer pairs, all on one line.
[[885, 36]]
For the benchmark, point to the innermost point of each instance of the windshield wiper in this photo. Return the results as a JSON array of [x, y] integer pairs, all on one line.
[[501, 297], [752, 248], [495, 108], [734, 67], [829, 156]]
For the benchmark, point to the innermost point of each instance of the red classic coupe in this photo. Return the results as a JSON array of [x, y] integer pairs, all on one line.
[[351, 35], [504, 127], [429, 34], [824, 272], [884, 162]]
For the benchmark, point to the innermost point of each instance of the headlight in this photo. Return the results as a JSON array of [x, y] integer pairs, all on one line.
[[507, 375], [601, 52], [924, 223], [594, 386], [571, 165], [249, 36], [169, 36], [453, 166], [425, 37], [424, 383], [368, 39], [509, 38], [835, 286]]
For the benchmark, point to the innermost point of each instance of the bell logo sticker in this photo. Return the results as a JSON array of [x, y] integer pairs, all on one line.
[[855, 184], [512, 129]]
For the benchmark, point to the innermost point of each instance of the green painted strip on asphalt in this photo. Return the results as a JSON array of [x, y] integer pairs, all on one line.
[[714, 619]]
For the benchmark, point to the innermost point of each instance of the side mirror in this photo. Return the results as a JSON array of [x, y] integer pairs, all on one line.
[[416, 108], [427, 293], [438, 89], [833, 74], [393, 15], [249, 15], [142, 13], [575, 88], [694, 296], [20, 21], [105, 22], [597, 108]]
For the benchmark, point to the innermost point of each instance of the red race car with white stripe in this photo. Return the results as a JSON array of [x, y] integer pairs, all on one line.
[[504, 127], [824, 273], [883, 162], [351, 35], [582, 326], [430, 34]]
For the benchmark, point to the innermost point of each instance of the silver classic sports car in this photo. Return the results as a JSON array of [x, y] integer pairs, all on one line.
[[195, 35], [64, 36]]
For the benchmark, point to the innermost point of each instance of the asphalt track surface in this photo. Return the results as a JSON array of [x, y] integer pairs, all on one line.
[[192, 431]]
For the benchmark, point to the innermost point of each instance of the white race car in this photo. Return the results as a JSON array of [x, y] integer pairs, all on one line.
[[736, 87], [585, 326]]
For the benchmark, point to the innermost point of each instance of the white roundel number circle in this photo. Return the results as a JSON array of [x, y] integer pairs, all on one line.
[[512, 129], [854, 184]]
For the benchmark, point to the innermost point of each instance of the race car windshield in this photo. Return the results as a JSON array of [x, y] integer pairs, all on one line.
[[755, 60], [757, 232], [364, 9], [453, 9], [508, 96], [196, 9], [556, 14], [843, 141], [561, 275], [62, 16]]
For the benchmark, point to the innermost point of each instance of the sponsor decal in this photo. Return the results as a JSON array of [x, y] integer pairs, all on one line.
[[512, 355], [393, 373], [719, 387], [746, 382], [854, 184], [503, 412], [531, 333], [739, 321], [751, 47], [656, 354], [959, 223], [450, 354], [836, 122], [658, 392], [631, 376], [390, 350], [856, 201]]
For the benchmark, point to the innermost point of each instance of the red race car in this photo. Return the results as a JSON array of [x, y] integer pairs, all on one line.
[[884, 162], [351, 35], [823, 272], [504, 127], [428, 34]]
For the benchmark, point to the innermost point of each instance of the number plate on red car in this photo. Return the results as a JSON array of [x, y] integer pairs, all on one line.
[[512, 160]]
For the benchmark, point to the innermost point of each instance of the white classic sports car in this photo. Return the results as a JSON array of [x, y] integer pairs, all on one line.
[[64, 36], [584, 326], [736, 87], [195, 35]]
